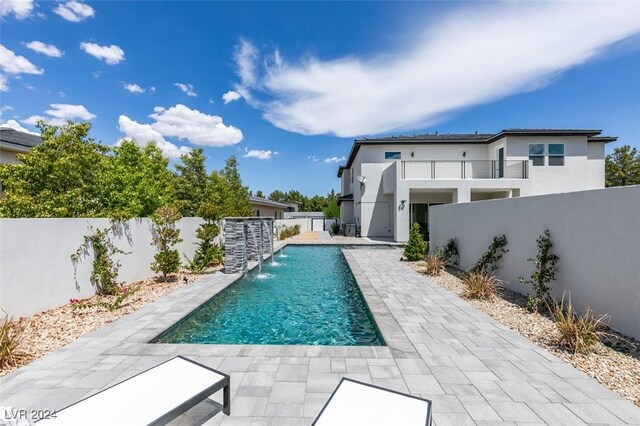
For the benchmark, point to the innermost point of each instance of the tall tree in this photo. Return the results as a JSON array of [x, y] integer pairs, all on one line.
[[278, 195], [191, 182], [260, 194], [234, 196], [59, 178], [136, 181], [622, 167]]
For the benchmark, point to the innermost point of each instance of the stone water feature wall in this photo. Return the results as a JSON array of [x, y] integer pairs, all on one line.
[[246, 238]]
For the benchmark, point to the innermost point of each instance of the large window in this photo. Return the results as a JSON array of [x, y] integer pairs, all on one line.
[[556, 154], [536, 154], [392, 155]]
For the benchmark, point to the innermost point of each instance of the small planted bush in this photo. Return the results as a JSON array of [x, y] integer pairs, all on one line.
[[416, 247], [435, 265], [480, 285], [579, 333], [544, 273], [10, 336], [285, 231], [490, 259], [335, 228], [208, 253], [167, 259], [449, 253]]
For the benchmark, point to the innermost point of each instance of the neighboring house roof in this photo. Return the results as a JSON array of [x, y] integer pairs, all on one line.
[[348, 197], [265, 202], [292, 202], [474, 138], [11, 138]]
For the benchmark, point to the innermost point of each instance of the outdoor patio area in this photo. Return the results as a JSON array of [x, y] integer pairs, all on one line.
[[439, 347]]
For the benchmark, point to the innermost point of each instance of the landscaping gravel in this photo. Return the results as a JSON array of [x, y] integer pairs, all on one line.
[[615, 363], [50, 330]]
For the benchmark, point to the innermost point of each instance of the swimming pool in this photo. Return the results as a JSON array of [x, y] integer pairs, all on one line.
[[308, 297]]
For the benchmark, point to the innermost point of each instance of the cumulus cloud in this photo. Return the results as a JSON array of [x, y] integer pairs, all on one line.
[[332, 160], [5, 108], [231, 96], [74, 11], [19, 8], [44, 49], [58, 114], [143, 133], [4, 86], [313, 158], [13, 124], [112, 55], [197, 127], [186, 88], [259, 154], [477, 54], [134, 88], [14, 64]]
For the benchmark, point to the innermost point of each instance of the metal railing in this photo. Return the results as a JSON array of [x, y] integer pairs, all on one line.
[[469, 169]]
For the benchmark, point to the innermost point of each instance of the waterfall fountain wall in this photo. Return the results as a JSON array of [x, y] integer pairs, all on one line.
[[246, 238]]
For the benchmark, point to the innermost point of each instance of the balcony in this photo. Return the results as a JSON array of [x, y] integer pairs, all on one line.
[[472, 169]]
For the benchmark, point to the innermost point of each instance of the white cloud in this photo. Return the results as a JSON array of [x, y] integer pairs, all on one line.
[[13, 124], [112, 55], [152, 89], [74, 11], [96, 74], [332, 160], [16, 64], [186, 88], [5, 108], [4, 86], [231, 96], [134, 88], [44, 49], [259, 154], [479, 53], [58, 114], [143, 133], [19, 8], [197, 127], [313, 158]]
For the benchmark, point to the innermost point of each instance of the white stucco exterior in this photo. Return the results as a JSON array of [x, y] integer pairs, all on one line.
[[446, 169]]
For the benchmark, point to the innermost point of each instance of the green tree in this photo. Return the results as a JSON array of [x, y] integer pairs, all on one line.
[[279, 196], [167, 259], [136, 181], [191, 182], [234, 196], [416, 247], [260, 194], [622, 167], [332, 210], [59, 178], [207, 254]]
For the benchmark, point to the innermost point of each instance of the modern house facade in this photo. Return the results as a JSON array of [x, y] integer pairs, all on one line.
[[264, 207], [388, 183]]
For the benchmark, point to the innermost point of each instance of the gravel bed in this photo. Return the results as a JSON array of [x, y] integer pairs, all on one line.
[[52, 329], [615, 363]]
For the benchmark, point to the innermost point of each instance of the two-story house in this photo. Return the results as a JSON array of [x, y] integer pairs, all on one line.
[[388, 183]]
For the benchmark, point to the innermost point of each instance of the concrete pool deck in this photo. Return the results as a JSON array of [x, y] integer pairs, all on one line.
[[440, 347]]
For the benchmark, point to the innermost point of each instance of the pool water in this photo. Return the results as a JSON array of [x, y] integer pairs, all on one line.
[[309, 297]]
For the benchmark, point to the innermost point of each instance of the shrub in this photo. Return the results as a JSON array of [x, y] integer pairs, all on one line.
[[10, 336], [544, 273], [579, 333], [480, 285], [285, 231], [104, 272], [449, 253], [335, 228], [167, 259], [207, 254], [490, 259], [435, 265], [416, 247]]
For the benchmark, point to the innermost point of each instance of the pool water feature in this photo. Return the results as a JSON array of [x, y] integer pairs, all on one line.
[[309, 297]]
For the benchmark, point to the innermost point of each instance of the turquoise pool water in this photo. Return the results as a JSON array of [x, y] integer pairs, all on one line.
[[309, 297]]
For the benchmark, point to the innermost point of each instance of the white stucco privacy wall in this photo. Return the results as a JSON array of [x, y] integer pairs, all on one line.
[[305, 223], [36, 272], [595, 233]]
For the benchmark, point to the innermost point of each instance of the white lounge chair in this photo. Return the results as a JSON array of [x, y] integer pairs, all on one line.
[[355, 403], [154, 397]]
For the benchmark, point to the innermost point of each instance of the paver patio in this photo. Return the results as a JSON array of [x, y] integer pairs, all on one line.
[[439, 347]]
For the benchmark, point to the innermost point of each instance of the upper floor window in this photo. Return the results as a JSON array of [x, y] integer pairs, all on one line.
[[556, 154], [536, 154], [392, 155]]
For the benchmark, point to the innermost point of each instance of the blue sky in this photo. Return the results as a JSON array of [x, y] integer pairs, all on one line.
[[304, 79]]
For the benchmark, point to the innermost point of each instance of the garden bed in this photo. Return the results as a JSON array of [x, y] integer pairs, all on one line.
[[52, 329], [615, 363]]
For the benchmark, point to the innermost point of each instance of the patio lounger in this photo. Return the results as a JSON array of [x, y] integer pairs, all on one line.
[[355, 403], [155, 396]]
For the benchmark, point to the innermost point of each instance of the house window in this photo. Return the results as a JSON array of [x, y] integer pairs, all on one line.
[[392, 155], [257, 212], [536, 154], [556, 154]]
